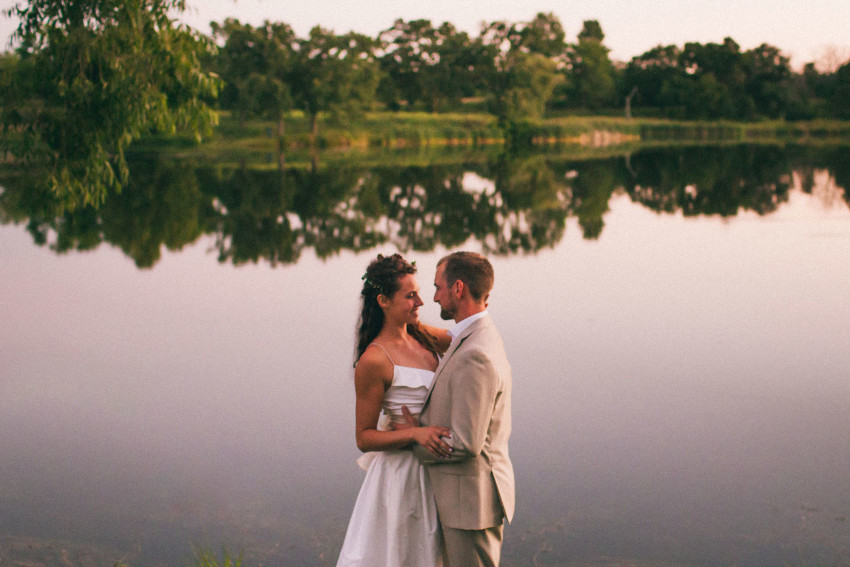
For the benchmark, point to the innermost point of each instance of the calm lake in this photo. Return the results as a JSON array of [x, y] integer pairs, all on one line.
[[176, 368]]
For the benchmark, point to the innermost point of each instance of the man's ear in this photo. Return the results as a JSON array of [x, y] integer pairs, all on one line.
[[459, 287]]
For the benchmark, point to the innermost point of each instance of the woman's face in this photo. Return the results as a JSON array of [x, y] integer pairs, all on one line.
[[404, 305]]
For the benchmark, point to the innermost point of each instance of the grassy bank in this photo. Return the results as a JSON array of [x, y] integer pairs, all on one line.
[[422, 137], [376, 129], [403, 129]]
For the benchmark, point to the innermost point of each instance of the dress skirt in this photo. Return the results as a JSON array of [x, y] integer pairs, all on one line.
[[394, 522]]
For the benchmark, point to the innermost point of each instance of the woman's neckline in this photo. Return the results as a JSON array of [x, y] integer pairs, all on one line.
[[414, 368]]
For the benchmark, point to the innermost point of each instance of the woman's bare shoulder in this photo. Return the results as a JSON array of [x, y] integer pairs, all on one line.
[[374, 364]]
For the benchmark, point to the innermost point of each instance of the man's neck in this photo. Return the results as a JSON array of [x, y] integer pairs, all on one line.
[[468, 311]]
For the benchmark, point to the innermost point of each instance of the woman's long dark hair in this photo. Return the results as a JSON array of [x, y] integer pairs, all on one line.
[[382, 278]]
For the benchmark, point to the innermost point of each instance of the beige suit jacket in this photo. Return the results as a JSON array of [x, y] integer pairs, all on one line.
[[471, 394]]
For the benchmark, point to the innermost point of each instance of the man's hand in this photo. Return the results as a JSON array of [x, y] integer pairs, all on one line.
[[409, 421]]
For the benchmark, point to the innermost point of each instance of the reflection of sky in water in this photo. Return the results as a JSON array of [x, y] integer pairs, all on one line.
[[677, 382]]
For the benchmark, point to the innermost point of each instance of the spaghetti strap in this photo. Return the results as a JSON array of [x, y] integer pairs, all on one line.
[[385, 352]]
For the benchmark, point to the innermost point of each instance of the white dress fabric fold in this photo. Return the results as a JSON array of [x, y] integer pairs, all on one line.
[[394, 522]]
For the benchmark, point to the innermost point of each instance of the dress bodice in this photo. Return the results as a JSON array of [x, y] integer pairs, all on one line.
[[409, 388]]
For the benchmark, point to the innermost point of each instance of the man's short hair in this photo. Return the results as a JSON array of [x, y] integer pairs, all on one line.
[[472, 269]]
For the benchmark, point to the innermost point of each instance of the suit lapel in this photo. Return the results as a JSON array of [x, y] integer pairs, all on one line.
[[453, 348]]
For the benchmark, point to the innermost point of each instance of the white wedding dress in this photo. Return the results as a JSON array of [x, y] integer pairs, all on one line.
[[394, 522]]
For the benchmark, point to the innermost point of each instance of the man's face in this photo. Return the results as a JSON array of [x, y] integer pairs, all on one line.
[[443, 295]]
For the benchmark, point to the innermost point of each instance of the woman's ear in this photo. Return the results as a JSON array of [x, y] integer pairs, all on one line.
[[382, 301]]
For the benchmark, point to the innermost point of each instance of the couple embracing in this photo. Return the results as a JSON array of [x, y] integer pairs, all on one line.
[[433, 417]]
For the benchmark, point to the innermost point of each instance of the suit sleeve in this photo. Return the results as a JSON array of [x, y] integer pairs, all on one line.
[[473, 397]]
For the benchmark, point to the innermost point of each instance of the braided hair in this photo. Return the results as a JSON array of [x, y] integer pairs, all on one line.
[[382, 278]]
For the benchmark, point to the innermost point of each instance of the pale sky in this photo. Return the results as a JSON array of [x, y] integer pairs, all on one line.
[[803, 30]]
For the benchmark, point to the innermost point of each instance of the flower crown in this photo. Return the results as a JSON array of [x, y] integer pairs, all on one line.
[[373, 285], [377, 287]]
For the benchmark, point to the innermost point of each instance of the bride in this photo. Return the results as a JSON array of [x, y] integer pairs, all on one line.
[[394, 522]]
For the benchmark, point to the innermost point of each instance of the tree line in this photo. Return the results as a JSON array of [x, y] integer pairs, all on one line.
[[516, 71]]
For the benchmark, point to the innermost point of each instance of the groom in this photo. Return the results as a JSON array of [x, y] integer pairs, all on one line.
[[471, 394]]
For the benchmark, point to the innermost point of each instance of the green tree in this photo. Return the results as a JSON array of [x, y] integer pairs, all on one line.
[[698, 97], [591, 30], [591, 73], [95, 75], [648, 73], [428, 66], [717, 72], [461, 70], [255, 65], [234, 62], [718, 80], [406, 51], [768, 81], [544, 35], [526, 59], [529, 82], [840, 98], [819, 88], [336, 74]]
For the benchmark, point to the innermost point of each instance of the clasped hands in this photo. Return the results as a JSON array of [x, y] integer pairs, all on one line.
[[431, 437]]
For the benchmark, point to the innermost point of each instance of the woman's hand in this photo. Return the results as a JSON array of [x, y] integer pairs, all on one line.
[[431, 437]]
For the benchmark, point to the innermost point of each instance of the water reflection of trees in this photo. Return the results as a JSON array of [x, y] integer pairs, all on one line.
[[711, 180], [510, 204]]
